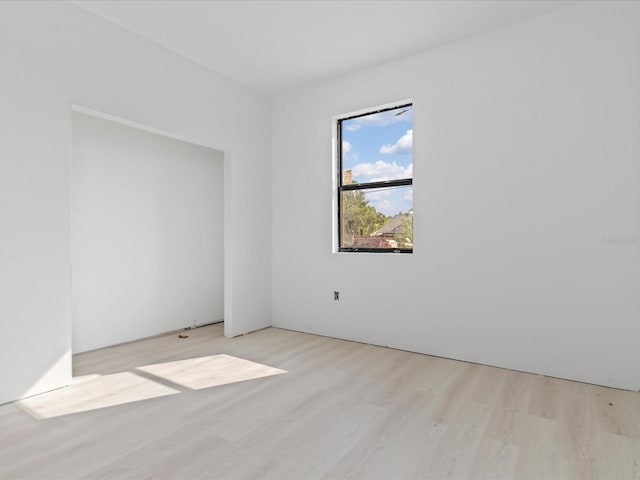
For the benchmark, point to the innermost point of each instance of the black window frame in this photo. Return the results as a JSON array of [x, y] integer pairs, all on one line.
[[365, 186]]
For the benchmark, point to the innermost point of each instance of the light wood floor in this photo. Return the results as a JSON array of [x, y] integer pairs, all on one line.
[[286, 405]]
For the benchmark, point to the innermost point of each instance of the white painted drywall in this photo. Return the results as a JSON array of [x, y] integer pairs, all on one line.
[[147, 234], [55, 54], [526, 154]]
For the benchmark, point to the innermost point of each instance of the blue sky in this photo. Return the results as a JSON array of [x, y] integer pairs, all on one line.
[[380, 147]]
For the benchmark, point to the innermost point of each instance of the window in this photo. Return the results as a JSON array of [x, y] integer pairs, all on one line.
[[375, 181]]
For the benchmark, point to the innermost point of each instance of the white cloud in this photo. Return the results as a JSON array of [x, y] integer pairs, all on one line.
[[390, 201], [408, 195], [403, 146], [383, 206], [347, 153], [380, 170]]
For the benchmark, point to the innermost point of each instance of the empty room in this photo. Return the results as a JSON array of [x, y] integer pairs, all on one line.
[[304, 239]]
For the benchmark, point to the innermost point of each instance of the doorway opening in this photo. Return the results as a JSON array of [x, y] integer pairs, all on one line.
[[147, 233]]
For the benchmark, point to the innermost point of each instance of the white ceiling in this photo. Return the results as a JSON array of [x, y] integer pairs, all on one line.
[[275, 46]]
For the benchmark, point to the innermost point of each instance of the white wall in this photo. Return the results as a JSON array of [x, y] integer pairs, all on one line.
[[54, 54], [526, 154], [147, 234]]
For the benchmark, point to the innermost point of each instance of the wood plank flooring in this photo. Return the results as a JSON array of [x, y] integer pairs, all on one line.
[[285, 405]]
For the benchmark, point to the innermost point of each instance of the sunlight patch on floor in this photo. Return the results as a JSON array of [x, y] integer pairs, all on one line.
[[95, 391], [212, 371], [91, 392]]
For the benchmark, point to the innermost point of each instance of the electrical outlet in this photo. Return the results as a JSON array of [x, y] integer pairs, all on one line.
[[336, 295]]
